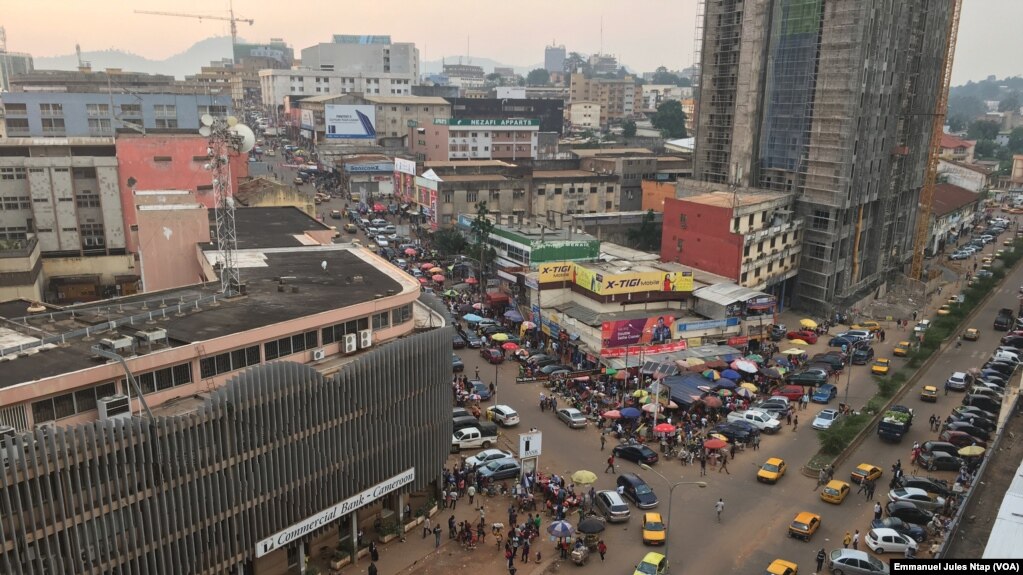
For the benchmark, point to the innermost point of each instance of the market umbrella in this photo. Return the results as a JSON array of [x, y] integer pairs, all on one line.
[[664, 428], [584, 477], [472, 281], [513, 315], [472, 318], [436, 270], [612, 414], [590, 525], [509, 346], [711, 374], [798, 342], [724, 392], [528, 325], [640, 393], [731, 374], [808, 323], [610, 371], [793, 351], [453, 293], [423, 280], [745, 393], [749, 387], [772, 372], [745, 365], [971, 451], [621, 376], [725, 383], [711, 401], [755, 357], [560, 529], [379, 208], [714, 444], [477, 305], [427, 266], [783, 362], [410, 251], [499, 337], [631, 413], [715, 364], [438, 278]]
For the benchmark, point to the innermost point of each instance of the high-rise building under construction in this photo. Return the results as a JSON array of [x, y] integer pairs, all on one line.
[[834, 101]]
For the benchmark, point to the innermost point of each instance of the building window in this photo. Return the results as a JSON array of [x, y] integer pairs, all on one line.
[[131, 110], [12, 173], [228, 361], [381, 320], [13, 203], [745, 251], [165, 111], [471, 197], [339, 331], [447, 197], [72, 403], [100, 126], [289, 345], [820, 220], [52, 125], [17, 125], [683, 222], [557, 191], [51, 109], [94, 110], [216, 111], [166, 123], [400, 315]]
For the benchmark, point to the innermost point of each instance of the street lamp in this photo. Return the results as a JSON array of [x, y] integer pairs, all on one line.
[[671, 493]]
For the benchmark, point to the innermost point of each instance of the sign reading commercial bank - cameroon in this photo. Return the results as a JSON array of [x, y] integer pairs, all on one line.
[[335, 512]]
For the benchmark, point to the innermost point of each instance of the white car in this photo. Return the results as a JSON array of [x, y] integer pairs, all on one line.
[[825, 419], [486, 456], [503, 415], [958, 381], [884, 540], [1004, 355], [918, 497]]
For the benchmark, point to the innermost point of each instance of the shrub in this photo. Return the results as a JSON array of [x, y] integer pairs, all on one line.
[[836, 438]]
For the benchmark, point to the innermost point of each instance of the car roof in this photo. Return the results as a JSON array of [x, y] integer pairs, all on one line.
[[613, 496], [883, 531], [805, 516], [775, 460], [867, 466], [911, 490], [836, 483], [651, 516], [571, 410], [852, 554], [653, 557], [825, 386], [828, 411], [501, 407]]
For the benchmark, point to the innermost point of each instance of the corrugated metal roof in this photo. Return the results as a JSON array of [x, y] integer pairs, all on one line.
[[726, 293], [1007, 531]]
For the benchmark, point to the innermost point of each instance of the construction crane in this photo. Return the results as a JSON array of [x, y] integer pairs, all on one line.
[[231, 18], [923, 220]]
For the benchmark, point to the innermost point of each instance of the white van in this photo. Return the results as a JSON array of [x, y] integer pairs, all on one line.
[[922, 326], [381, 243]]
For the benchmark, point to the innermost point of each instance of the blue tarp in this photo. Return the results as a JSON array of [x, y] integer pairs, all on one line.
[[685, 387]]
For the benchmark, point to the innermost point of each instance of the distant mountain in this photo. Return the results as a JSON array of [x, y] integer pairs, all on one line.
[[180, 65], [437, 66]]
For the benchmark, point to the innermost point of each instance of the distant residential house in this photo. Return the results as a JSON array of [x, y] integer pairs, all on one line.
[[952, 215], [956, 148], [973, 177]]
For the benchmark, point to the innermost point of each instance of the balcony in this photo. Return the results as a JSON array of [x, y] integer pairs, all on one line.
[[750, 263], [752, 237]]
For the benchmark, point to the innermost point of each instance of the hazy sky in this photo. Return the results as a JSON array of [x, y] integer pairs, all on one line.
[[642, 33]]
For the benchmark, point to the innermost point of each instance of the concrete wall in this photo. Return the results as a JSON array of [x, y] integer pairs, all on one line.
[[104, 266], [168, 232], [655, 194], [698, 235]]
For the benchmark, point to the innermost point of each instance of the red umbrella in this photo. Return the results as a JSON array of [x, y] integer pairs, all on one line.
[[438, 278], [714, 444], [622, 375], [472, 281], [510, 346], [422, 280], [410, 252], [664, 428], [612, 414], [711, 401], [427, 266], [379, 207]]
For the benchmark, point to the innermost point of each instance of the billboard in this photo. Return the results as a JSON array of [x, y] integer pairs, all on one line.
[[277, 52], [350, 122], [307, 121], [648, 330], [556, 272], [632, 282], [405, 166]]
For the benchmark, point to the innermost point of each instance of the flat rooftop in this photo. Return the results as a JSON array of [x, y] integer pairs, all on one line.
[[275, 227], [725, 199], [316, 290], [595, 152], [469, 164], [567, 174], [473, 178]]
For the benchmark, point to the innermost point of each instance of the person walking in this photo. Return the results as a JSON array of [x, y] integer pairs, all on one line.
[[610, 464], [719, 507], [603, 440], [427, 529], [795, 422], [436, 536], [602, 549], [372, 569], [374, 553], [724, 465], [856, 539], [471, 492], [846, 540], [703, 465], [877, 510], [821, 556], [756, 442]]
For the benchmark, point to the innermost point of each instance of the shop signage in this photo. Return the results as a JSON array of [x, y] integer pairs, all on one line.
[[530, 445], [647, 330], [638, 350], [706, 324], [486, 123], [556, 272], [738, 341], [405, 166], [335, 512], [634, 282], [370, 167]]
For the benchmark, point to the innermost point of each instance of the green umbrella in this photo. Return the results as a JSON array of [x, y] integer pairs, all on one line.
[[755, 357], [610, 371]]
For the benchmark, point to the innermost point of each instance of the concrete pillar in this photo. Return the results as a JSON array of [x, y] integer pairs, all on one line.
[[301, 557], [355, 536], [401, 510]]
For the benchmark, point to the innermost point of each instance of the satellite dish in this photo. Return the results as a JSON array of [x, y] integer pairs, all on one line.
[[248, 138], [205, 131], [323, 265], [206, 119], [232, 121]]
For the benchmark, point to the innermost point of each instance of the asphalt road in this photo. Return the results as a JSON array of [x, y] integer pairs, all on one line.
[[753, 531]]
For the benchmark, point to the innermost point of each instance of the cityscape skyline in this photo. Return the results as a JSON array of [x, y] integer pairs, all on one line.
[[599, 28]]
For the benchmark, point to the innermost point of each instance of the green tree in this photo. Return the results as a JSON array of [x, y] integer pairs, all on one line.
[[629, 128], [663, 76], [1016, 141], [1010, 103], [494, 78], [538, 77], [647, 236], [963, 108], [985, 149], [956, 123], [982, 130], [670, 119], [575, 62], [684, 82], [450, 241]]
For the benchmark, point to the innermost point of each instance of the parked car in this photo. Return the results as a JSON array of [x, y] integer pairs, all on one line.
[[486, 456], [967, 427], [824, 393], [862, 355], [961, 438], [983, 402], [915, 532], [735, 432], [793, 393], [806, 335], [931, 485], [939, 447], [500, 469], [572, 417], [493, 356], [958, 381], [840, 341], [503, 415], [612, 506], [881, 540], [939, 461], [635, 453], [813, 377], [854, 562], [555, 368], [909, 513], [457, 365], [637, 490], [971, 413], [481, 389], [917, 497], [835, 359], [825, 419]]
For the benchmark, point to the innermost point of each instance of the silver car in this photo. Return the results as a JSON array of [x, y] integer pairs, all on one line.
[[612, 506], [853, 562], [572, 417], [824, 419]]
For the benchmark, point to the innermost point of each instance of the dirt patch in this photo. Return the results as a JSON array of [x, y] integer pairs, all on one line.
[[980, 514]]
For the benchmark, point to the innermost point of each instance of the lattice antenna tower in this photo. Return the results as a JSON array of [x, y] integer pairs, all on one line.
[[226, 137]]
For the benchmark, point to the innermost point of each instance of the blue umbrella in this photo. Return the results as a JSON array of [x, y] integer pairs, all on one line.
[[513, 315], [561, 529], [725, 383], [784, 362], [731, 374], [631, 413], [472, 318]]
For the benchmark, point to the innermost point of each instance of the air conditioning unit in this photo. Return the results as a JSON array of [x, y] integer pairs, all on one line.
[[6, 434], [116, 343], [46, 425], [351, 343], [113, 407], [151, 335], [319, 354], [365, 338]]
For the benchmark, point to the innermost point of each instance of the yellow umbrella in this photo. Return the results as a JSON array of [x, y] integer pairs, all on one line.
[[798, 342], [584, 477], [808, 323], [436, 271], [640, 393], [971, 451], [499, 337], [749, 386], [793, 351]]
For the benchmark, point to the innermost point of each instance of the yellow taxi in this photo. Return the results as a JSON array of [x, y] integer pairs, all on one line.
[[1007, 242], [652, 564], [771, 471], [880, 366], [835, 491], [863, 472], [350, 228], [987, 259], [945, 309], [902, 349], [653, 529], [972, 334], [870, 326], [782, 567], [804, 525], [929, 393]]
